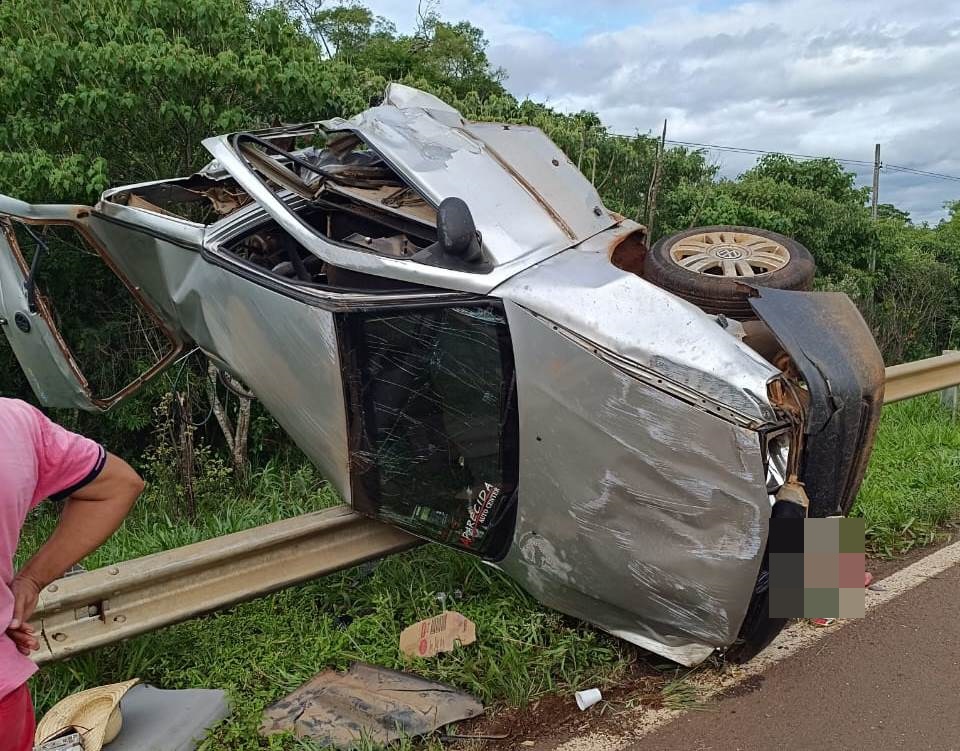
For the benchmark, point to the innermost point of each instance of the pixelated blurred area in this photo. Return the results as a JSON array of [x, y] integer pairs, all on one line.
[[817, 568]]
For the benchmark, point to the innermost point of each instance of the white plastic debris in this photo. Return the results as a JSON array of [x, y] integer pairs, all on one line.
[[587, 698]]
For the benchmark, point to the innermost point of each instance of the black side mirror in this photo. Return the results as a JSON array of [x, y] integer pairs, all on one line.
[[456, 232]]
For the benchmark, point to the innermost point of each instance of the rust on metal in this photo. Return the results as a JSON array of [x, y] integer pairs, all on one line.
[[109, 604], [176, 346], [628, 252]]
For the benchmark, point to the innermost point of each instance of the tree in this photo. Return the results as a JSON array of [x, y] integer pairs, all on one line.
[[891, 212], [102, 92]]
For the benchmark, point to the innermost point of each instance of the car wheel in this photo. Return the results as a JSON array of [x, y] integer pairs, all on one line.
[[711, 266], [758, 628]]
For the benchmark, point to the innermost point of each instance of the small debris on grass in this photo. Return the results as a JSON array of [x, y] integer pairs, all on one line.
[[587, 698], [442, 633]]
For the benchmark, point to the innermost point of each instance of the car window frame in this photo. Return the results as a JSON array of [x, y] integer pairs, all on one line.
[[508, 439]]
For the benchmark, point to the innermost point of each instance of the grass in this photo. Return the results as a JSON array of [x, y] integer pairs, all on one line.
[[912, 487], [261, 650], [679, 694]]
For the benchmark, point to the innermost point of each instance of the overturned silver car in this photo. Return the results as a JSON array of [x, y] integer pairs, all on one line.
[[446, 319]]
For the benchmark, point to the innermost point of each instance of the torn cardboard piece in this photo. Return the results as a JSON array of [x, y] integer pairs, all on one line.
[[442, 633], [367, 703]]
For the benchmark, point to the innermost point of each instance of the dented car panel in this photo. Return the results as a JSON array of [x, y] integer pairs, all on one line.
[[536, 402], [283, 349], [542, 202], [642, 514], [645, 508], [654, 333]]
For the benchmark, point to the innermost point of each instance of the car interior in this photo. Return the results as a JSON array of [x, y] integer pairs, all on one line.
[[346, 193]]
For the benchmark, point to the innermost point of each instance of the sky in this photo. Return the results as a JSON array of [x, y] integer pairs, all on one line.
[[817, 77]]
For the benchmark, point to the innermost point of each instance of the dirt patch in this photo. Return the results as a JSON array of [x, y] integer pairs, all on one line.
[[747, 686], [557, 714]]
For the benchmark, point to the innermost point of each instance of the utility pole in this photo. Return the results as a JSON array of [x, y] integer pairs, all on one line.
[[876, 196], [655, 181], [876, 178]]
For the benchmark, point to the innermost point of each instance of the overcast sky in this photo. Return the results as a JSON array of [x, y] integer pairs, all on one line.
[[822, 77]]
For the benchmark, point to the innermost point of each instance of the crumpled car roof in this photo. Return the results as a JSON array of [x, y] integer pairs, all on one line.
[[525, 195]]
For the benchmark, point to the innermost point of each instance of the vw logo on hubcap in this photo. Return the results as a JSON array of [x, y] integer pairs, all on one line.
[[729, 253]]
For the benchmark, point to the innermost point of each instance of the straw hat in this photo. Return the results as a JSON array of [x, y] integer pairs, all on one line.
[[94, 714]]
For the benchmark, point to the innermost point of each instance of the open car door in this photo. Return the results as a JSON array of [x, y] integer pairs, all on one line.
[[51, 263]]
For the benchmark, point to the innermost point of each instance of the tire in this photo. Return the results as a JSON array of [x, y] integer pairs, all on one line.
[[758, 628], [716, 278]]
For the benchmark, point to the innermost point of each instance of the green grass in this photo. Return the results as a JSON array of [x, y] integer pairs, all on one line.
[[261, 650], [680, 694], [912, 487]]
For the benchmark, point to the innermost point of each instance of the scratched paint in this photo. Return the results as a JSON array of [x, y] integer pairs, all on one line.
[[655, 511]]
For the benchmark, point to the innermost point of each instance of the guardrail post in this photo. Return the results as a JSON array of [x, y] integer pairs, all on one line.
[[950, 396]]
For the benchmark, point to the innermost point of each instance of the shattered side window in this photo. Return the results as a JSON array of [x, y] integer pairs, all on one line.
[[434, 424]]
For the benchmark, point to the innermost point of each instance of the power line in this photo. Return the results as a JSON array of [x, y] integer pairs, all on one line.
[[742, 150], [898, 168], [763, 152]]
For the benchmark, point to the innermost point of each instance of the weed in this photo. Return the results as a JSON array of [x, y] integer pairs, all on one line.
[[911, 489], [679, 694]]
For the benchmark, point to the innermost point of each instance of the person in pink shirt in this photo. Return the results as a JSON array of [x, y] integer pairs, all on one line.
[[39, 459]]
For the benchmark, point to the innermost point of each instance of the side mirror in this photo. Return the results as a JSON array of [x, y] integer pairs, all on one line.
[[456, 232]]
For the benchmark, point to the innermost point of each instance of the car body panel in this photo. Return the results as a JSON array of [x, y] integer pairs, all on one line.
[[283, 349], [646, 327], [642, 514], [524, 193], [40, 349], [832, 348]]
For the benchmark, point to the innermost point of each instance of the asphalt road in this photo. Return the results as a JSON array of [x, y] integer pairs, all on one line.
[[889, 681]]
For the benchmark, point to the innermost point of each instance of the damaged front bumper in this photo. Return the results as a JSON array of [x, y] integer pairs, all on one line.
[[841, 372]]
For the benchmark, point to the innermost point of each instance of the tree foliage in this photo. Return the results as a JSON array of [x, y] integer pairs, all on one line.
[[102, 92], [97, 93]]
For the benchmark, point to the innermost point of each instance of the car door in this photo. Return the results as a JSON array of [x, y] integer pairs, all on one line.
[[83, 334]]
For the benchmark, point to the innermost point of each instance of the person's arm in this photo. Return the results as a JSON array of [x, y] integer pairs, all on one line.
[[90, 515]]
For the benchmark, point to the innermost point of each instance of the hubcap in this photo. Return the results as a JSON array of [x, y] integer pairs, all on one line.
[[729, 254]]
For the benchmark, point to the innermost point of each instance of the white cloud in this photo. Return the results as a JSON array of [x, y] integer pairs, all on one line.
[[803, 76]]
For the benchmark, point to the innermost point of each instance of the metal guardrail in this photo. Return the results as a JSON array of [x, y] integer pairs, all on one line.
[[116, 602], [921, 377]]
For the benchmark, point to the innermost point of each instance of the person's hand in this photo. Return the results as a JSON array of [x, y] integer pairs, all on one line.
[[26, 593], [25, 639]]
